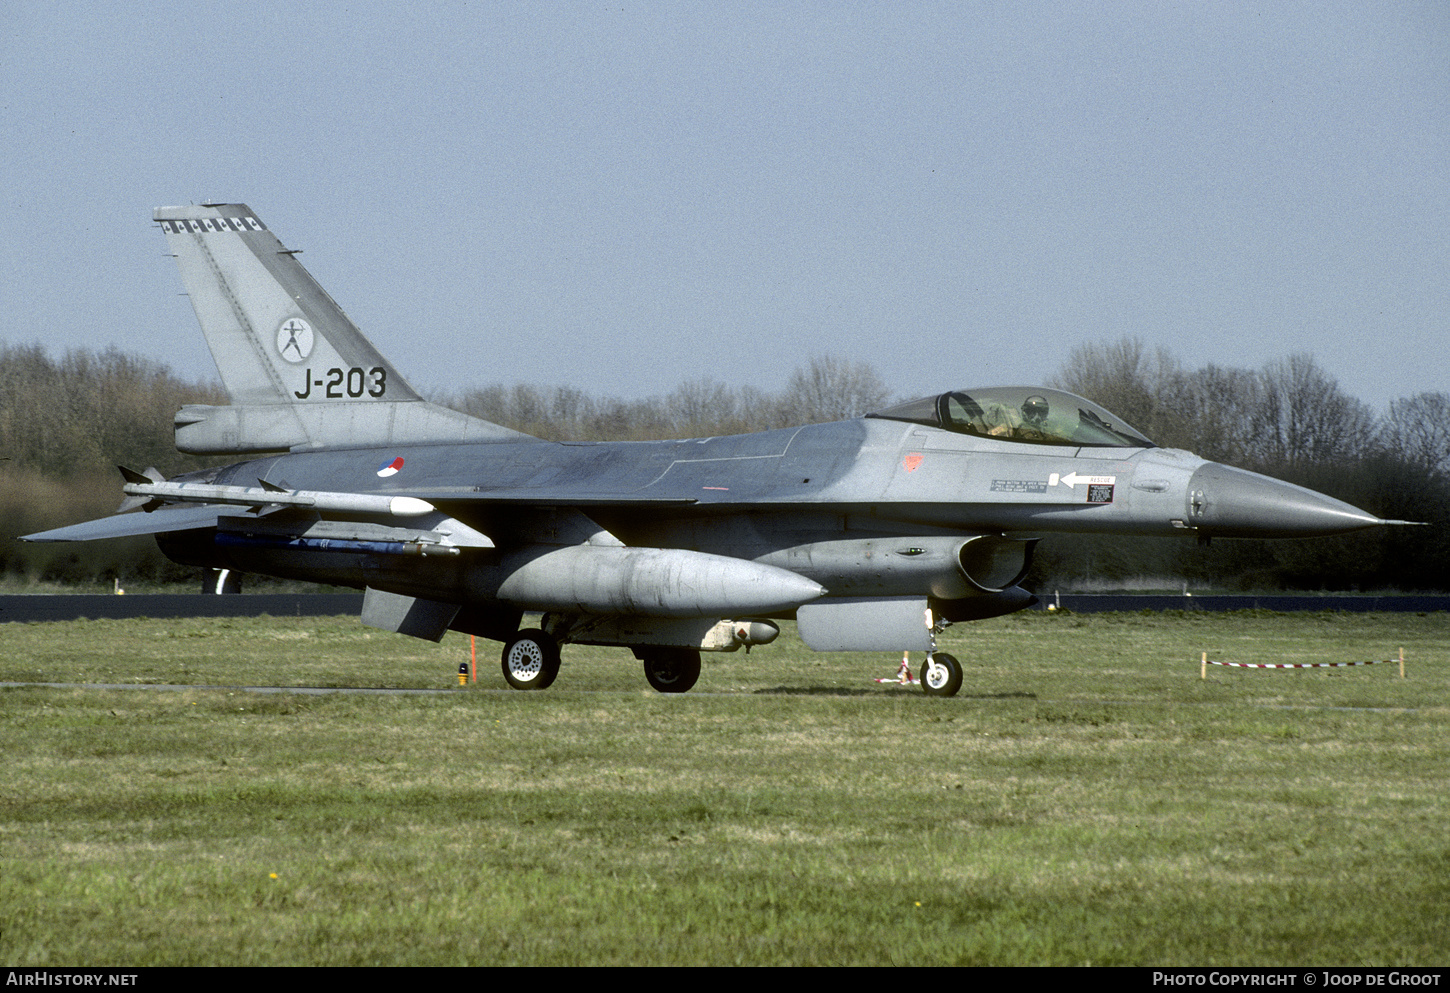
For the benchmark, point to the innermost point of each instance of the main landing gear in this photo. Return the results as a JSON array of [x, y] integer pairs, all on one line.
[[670, 670], [531, 662]]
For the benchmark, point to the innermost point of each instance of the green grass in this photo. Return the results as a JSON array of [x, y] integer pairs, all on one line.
[[1087, 799]]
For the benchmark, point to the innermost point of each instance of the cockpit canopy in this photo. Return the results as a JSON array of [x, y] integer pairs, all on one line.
[[1028, 414]]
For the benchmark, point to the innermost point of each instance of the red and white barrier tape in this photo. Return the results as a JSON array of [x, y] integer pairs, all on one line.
[[1297, 665]]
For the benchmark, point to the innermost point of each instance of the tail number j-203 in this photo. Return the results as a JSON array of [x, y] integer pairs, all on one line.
[[342, 383]]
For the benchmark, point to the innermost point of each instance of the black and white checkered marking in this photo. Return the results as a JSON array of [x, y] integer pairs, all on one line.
[[207, 225]]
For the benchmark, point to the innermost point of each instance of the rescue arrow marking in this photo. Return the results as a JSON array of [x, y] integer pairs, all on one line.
[[1072, 479]]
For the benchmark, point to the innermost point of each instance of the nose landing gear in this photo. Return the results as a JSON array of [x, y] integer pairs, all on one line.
[[941, 674]]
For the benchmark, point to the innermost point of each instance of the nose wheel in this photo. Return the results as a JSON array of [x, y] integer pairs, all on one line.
[[941, 675]]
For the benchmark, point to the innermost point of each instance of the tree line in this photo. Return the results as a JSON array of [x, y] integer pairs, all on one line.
[[66, 422], [827, 388], [1288, 419]]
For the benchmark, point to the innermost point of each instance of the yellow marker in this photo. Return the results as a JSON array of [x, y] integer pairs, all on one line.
[[463, 674]]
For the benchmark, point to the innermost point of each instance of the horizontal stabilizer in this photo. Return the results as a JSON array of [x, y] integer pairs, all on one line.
[[129, 525], [203, 506]]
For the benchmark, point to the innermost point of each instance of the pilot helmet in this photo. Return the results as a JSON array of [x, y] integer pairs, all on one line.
[[1034, 409]]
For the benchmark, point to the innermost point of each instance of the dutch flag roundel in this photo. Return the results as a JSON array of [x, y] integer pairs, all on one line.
[[391, 468]]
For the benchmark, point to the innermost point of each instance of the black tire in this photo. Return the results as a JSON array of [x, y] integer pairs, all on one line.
[[671, 670], [941, 675], [531, 660]]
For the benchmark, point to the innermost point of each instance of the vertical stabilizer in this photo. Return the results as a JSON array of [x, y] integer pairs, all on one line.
[[276, 335], [298, 371]]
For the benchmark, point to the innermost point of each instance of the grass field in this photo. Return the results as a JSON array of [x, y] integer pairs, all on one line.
[[1087, 799]]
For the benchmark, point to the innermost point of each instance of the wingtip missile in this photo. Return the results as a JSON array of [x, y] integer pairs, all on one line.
[[269, 495]]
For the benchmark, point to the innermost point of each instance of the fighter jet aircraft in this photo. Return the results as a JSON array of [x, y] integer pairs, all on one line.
[[872, 533]]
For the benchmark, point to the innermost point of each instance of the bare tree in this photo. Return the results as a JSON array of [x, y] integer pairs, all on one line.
[[1417, 430], [704, 407], [1215, 407], [1136, 384], [1303, 416], [833, 389]]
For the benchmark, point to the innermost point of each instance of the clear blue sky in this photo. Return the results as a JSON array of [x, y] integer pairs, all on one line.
[[629, 195]]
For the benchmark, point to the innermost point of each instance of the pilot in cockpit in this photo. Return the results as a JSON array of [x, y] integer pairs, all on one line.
[[1034, 419]]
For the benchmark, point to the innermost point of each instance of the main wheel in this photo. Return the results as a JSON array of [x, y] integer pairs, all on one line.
[[942, 675], [671, 670], [531, 660]]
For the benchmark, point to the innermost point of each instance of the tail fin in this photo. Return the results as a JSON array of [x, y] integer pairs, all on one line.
[[298, 371]]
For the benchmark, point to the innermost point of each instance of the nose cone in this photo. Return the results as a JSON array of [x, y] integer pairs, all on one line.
[[1234, 503]]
